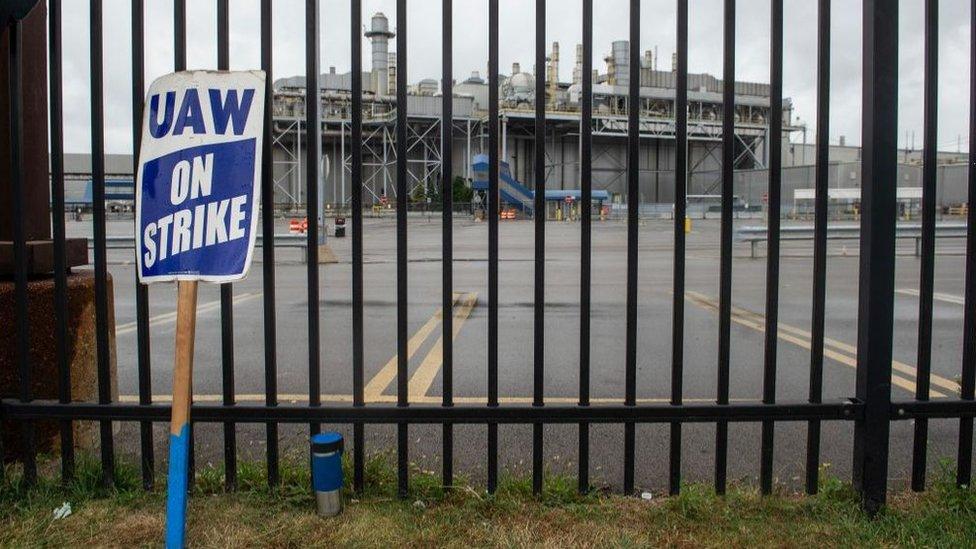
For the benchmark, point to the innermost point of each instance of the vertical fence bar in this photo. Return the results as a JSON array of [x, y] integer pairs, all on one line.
[[227, 291], [101, 271], [586, 240], [179, 34], [633, 206], [725, 272], [772, 238], [447, 235], [819, 241], [680, 213], [964, 459], [926, 279], [492, 239], [539, 221], [179, 64], [356, 167], [142, 291], [57, 223], [228, 397], [313, 152], [267, 226], [15, 34], [965, 449], [402, 191], [877, 260]]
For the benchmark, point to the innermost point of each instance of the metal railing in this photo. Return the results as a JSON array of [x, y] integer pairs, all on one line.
[[870, 408], [914, 231]]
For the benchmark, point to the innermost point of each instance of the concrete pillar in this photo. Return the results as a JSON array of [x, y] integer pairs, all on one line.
[[44, 354], [37, 195]]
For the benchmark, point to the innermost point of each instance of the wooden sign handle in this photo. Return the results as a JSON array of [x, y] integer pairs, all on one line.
[[179, 434]]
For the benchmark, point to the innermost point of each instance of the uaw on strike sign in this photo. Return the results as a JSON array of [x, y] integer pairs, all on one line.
[[198, 177]]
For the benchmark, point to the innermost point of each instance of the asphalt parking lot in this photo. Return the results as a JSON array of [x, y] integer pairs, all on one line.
[[561, 342]]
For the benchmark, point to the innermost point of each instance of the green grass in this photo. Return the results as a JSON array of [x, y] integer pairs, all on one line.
[[254, 516]]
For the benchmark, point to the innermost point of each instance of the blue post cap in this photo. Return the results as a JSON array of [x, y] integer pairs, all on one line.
[[329, 441]]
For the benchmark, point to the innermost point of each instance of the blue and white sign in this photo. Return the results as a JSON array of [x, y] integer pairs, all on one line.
[[198, 179]]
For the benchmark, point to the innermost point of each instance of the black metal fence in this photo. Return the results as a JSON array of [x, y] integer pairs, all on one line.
[[871, 407]]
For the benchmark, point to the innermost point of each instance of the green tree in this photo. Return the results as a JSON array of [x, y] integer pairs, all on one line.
[[461, 191], [419, 195]]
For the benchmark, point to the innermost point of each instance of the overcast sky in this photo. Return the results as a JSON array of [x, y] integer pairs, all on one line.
[[563, 24]]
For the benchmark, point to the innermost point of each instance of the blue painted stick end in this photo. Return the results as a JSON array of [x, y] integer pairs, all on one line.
[[179, 452]]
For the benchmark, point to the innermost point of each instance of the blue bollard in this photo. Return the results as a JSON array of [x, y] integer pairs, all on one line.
[[327, 473]]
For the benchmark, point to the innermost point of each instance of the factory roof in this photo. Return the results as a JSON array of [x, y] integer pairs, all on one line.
[[327, 81]]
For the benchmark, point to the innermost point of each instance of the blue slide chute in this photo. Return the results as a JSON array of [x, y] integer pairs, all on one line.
[[512, 192], [518, 195]]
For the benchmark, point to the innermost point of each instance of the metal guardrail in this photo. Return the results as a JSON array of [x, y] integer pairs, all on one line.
[[757, 235]]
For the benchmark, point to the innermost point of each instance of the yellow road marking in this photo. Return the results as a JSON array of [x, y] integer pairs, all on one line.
[[423, 378], [936, 379], [760, 325], [801, 337], [169, 318], [907, 369], [387, 374]]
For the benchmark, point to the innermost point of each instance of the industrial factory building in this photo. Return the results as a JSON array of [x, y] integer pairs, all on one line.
[[517, 96], [517, 100]]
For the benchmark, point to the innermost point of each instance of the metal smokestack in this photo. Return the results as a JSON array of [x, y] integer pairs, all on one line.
[[379, 34], [553, 75], [392, 84], [621, 62], [578, 67]]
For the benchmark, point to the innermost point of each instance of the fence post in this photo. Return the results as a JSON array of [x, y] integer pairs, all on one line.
[[877, 259]]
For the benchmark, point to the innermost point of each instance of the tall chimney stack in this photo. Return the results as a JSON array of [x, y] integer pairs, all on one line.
[[553, 74], [578, 67], [379, 34]]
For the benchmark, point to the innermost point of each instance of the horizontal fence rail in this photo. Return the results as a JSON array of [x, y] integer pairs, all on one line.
[[870, 408], [708, 413]]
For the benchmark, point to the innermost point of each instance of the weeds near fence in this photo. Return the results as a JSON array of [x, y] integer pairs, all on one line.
[[467, 516]]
